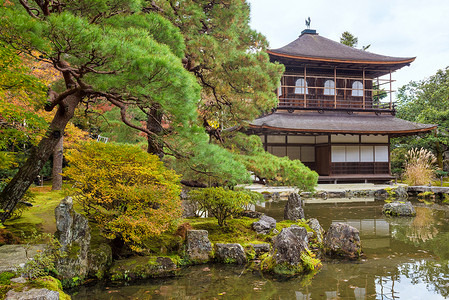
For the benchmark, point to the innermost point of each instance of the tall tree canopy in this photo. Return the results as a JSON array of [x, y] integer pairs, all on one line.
[[104, 50], [427, 101], [138, 55], [225, 54]]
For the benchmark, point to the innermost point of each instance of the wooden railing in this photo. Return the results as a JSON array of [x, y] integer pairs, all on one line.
[[317, 103], [360, 168], [310, 92]]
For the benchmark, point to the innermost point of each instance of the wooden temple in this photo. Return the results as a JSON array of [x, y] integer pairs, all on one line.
[[329, 113]]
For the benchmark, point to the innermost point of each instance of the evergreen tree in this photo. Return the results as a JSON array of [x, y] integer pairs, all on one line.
[[104, 50], [427, 101]]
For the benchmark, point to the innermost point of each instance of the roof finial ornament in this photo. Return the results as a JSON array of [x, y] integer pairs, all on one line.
[[308, 23]]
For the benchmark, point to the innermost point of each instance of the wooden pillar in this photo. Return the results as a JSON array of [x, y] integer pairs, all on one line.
[[391, 91], [305, 86], [335, 87], [378, 93], [363, 87], [330, 153]]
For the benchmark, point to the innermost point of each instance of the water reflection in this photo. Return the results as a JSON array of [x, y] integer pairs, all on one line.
[[405, 258]]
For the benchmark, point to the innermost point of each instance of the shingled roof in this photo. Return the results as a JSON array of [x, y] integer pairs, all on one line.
[[339, 123], [311, 46]]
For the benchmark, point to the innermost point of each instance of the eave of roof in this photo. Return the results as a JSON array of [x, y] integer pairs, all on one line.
[[339, 123], [312, 47]]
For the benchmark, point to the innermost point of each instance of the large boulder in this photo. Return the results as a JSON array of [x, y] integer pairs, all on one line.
[[399, 209], [318, 233], [198, 245], [293, 209], [73, 233], [264, 225], [289, 244], [230, 253], [342, 240]]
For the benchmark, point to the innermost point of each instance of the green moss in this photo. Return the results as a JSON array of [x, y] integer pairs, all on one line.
[[50, 283], [5, 283], [309, 264], [239, 230], [142, 267], [5, 277], [41, 215]]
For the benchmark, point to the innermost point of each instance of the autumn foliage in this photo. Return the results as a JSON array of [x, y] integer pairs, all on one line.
[[126, 191]]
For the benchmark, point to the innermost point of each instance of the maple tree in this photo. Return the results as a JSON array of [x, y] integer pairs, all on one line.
[[127, 192]]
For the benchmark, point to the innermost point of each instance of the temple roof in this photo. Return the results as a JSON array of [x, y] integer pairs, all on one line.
[[313, 47], [339, 123]]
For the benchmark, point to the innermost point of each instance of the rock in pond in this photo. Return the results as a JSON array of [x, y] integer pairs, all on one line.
[[314, 224], [230, 253], [73, 232], [198, 245], [261, 248], [264, 225], [399, 209], [141, 267], [251, 214], [293, 209], [100, 260], [289, 244], [342, 240]]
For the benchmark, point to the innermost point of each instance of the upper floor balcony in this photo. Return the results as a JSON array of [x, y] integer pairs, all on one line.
[[300, 91]]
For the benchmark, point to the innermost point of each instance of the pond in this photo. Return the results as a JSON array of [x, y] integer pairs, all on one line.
[[404, 258]]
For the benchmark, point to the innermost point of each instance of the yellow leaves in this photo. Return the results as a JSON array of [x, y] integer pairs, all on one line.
[[130, 193]]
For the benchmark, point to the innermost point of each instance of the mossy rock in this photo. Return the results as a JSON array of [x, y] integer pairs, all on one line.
[[141, 267], [45, 284], [308, 265], [100, 260]]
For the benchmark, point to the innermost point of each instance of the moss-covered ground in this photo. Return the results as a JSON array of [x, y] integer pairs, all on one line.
[[238, 230], [41, 216]]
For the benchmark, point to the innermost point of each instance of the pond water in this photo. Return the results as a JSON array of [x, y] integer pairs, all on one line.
[[404, 258]]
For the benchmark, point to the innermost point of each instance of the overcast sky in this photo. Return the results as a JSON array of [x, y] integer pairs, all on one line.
[[402, 28]]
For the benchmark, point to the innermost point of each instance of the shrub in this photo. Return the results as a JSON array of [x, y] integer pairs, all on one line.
[[128, 192], [419, 167], [221, 203]]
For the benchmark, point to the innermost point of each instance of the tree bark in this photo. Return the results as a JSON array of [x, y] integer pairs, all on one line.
[[56, 178], [40, 154], [154, 124]]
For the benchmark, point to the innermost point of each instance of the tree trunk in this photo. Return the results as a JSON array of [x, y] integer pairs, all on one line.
[[154, 124], [56, 178], [40, 154]]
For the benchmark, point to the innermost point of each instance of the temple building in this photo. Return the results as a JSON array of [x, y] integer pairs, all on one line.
[[330, 115]]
